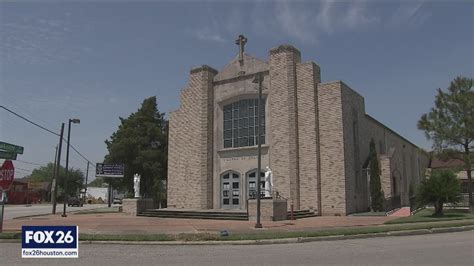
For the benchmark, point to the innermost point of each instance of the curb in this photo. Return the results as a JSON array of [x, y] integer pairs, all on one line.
[[276, 241], [291, 240]]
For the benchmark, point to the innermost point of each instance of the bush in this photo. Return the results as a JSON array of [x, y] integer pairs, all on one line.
[[442, 187]]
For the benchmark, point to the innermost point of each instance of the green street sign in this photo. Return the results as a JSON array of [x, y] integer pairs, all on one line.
[[11, 148], [7, 155]]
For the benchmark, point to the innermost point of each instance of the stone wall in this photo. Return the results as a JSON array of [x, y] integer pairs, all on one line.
[[190, 144], [333, 186], [284, 121], [270, 209], [308, 77]]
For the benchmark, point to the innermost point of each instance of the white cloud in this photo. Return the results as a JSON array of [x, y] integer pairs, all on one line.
[[208, 34], [308, 22], [409, 13]]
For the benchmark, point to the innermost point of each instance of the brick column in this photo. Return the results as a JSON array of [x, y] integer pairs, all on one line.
[[308, 77], [190, 152], [283, 114]]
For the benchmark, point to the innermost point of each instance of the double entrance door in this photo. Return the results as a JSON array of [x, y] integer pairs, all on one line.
[[232, 189]]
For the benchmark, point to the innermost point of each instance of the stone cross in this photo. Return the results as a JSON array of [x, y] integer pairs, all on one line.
[[241, 41]]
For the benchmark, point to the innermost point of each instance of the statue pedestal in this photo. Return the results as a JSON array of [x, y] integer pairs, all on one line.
[[136, 206], [270, 209]]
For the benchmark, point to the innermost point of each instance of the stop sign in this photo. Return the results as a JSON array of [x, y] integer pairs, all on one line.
[[7, 173]]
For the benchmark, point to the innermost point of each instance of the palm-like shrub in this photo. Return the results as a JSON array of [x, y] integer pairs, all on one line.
[[442, 187]]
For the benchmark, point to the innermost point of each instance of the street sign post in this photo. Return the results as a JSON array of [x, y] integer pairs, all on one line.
[[7, 173], [2, 206], [11, 148], [109, 170]]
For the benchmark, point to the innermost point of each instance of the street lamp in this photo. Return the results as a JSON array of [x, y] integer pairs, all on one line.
[[65, 198], [258, 79]]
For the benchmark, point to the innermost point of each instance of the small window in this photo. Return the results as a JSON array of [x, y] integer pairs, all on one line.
[[225, 193], [235, 193], [226, 186], [235, 185], [235, 201], [252, 184], [226, 201], [226, 176]]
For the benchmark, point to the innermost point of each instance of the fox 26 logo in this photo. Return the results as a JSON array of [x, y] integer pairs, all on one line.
[[54, 237]]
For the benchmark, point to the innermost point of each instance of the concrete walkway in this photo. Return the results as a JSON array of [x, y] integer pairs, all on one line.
[[119, 223]]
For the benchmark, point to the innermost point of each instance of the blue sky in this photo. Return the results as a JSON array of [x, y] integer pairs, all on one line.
[[98, 60]]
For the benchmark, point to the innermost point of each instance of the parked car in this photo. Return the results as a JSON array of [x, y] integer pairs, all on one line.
[[117, 201], [74, 201]]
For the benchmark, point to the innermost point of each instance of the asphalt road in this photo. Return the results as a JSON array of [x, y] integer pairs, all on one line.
[[436, 249], [15, 211]]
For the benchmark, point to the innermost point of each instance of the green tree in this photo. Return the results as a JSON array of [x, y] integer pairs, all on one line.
[[75, 178], [442, 187], [450, 124], [140, 142], [376, 193]]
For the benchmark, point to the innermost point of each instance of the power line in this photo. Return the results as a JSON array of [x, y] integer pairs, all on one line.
[[21, 161], [29, 121], [48, 130]]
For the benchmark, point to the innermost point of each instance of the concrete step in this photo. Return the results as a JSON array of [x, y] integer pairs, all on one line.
[[216, 215], [299, 214], [233, 218]]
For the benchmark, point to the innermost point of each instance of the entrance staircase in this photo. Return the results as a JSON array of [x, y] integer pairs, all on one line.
[[301, 214], [196, 214]]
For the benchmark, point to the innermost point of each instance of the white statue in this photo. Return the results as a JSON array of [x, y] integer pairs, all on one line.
[[136, 185], [268, 182]]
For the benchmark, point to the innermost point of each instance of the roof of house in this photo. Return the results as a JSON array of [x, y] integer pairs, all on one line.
[[446, 163]]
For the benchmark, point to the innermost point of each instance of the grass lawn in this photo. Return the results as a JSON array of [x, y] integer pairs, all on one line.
[[426, 216]]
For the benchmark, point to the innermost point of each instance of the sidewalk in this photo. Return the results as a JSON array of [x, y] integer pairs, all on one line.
[[119, 223]]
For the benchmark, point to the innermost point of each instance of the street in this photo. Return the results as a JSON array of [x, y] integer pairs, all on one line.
[[15, 211], [436, 249]]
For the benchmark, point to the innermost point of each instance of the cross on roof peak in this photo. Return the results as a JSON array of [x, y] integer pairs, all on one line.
[[241, 41]]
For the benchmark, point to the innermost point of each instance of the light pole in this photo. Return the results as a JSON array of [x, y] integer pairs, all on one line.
[[56, 169], [65, 196], [258, 79]]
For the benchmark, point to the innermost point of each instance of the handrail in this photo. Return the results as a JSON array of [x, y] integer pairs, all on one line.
[[275, 195]]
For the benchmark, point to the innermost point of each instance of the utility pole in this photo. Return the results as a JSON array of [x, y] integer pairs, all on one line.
[[54, 173], [87, 176], [58, 165], [258, 79]]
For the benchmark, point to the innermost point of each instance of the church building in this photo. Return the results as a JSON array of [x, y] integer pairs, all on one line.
[[314, 136]]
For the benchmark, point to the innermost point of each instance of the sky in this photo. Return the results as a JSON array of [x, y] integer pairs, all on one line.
[[98, 60]]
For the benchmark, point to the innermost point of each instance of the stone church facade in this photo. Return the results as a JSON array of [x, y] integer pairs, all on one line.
[[315, 138]]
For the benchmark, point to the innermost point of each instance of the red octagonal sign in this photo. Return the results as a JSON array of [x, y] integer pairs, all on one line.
[[7, 173]]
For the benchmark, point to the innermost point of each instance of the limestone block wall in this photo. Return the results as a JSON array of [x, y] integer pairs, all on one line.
[[353, 112], [385, 175], [331, 138], [190, 144], [407, 162], [308, 77], [284, 121]]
